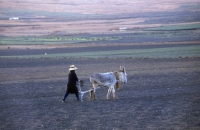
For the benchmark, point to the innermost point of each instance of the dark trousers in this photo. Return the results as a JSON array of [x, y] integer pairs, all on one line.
[[66, 94]]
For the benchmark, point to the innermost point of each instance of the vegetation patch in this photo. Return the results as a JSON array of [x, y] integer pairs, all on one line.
[[168, 52], [39, 40], [175, 27]]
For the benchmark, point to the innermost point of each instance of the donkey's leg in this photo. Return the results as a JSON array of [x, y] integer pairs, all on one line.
[[91, 94], [94, 96], [108, 94], [94, 86], [113, 92]]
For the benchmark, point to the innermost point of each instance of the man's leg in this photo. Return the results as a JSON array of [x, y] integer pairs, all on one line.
[[66, 94], [77, 96]]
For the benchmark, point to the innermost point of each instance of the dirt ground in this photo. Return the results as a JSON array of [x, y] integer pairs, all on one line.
[[160, 94]]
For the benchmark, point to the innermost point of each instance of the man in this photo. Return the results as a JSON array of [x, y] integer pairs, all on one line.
[[71, 85]]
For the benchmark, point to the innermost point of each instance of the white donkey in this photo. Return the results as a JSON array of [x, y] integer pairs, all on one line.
[[109, 79]]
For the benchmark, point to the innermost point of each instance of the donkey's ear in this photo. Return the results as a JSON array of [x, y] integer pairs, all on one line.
[[125, 71], [122, 68]]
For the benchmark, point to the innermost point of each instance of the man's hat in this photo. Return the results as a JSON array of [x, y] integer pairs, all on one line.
[[72, 67]]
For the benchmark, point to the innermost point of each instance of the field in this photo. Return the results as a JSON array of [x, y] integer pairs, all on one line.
[[160, 94], [157, 42]]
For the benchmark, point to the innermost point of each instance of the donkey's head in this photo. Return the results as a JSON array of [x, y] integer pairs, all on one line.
[[121, 75]]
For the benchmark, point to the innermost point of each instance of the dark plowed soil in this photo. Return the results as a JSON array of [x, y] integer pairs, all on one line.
[[160, 94]]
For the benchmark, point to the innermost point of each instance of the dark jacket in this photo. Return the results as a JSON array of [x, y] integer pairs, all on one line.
[[71, 85]]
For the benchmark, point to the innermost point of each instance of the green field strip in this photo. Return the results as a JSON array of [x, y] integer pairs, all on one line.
[[169, 52], [175, 27], [51, 40]]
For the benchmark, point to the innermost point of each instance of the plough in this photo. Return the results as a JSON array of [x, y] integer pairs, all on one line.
[[81, 93]]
